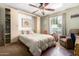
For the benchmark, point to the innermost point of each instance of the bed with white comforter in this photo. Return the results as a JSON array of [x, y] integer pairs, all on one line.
[[37, 42]]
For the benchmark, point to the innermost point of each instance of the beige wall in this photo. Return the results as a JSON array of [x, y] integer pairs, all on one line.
[[71, 23], [37, 24], [14, 25]]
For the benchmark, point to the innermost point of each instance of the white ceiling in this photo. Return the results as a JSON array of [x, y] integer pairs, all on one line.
[[30, 9]]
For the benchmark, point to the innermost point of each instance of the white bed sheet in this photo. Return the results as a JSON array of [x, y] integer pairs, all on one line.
[[37, 42]]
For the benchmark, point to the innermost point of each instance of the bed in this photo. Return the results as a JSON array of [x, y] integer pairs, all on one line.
[[37, 42]]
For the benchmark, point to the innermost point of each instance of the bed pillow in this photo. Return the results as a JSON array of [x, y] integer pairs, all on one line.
[[29, 32]]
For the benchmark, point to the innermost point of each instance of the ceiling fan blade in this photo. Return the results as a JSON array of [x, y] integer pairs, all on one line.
[[45, 4], [35, 11], [41, 4], [33, 5], [49, 9]]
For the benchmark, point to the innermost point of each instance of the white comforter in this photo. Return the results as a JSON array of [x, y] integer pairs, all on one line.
[[37, 42]]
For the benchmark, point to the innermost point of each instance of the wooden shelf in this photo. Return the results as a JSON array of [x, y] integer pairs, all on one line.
[[7, 33]]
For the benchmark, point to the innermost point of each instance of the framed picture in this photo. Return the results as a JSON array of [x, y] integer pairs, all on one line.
[[25, 22]]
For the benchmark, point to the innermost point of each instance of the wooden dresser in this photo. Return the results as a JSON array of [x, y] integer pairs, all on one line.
[[76, 51]]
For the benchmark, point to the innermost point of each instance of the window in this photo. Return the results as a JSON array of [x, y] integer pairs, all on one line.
[[55, 25]]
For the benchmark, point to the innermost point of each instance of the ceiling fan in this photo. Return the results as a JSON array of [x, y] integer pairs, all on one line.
[[41, 7]]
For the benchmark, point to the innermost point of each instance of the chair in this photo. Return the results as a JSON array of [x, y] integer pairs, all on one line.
[[73, 39], [68, 41]]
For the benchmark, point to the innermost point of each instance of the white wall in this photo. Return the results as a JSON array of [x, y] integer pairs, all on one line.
[[71, 23], [44, 24]]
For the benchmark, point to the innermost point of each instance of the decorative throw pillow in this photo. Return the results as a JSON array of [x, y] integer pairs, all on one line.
[[27, 32]]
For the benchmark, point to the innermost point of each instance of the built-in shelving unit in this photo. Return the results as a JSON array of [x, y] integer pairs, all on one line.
[[7, 25]]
